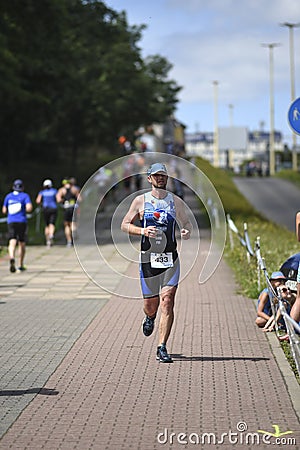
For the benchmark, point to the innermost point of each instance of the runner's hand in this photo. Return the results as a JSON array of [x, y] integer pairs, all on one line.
[[185, 234], [150, 231]]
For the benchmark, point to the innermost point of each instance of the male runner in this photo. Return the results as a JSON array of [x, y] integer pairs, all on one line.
[[158, 211], [17, 204], [47, 198]]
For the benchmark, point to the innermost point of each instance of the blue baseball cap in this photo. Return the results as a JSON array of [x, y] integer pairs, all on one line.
[[18, 185], [157, 168], [277, 276]]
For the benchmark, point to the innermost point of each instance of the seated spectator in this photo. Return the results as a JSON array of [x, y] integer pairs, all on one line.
[[264, 308], [288, 299]]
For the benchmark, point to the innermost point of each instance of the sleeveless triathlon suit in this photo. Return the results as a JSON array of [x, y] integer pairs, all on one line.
[[69, 205], [159, 262]]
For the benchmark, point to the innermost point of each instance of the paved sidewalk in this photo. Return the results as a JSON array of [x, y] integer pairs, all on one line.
[[77, 373]]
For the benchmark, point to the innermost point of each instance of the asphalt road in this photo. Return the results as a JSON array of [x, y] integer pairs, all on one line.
[[278, 200]]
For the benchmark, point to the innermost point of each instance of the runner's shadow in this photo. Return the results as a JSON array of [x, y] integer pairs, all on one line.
[[180, 357], [16, 392], [11, 285]]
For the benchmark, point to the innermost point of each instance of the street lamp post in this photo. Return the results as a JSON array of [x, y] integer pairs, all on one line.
[[291, 27], [271, 142], [230, 106], [216, 132], [230, 150]]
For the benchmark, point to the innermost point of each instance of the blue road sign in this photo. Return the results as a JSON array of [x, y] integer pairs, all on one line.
[[294, 116]]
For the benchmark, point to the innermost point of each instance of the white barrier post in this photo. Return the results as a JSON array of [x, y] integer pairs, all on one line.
[[258, 260], [230, 232]]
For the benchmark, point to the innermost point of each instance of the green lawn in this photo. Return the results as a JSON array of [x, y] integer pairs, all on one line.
[[276, 243]]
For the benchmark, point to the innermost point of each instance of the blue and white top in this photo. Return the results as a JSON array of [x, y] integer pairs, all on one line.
[[49, 198], [16, 202], [160, 213]]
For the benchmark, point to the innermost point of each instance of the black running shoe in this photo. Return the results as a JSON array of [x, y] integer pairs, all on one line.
[[148, 325], [12, 266], [162, 355]]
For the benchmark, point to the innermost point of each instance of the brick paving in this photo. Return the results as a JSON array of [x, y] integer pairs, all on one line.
[[77, 373]]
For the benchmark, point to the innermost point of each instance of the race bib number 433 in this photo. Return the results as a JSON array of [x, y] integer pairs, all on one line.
[[161, 260]]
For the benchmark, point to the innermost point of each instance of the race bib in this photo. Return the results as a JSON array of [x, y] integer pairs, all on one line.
[[14, 208], [69, 204], [161, 260]]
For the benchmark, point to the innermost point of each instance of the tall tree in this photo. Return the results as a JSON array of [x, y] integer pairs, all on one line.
[[72, 77]]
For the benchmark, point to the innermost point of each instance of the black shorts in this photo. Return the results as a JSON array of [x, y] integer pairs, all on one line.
[[17, 230], [50, 215], [152, 279], [68, 215]]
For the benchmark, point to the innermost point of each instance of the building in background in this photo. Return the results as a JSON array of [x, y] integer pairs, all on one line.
[[168, 137], [236, 146]]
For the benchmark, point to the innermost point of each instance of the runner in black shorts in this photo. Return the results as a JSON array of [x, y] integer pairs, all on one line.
[[50, 216], [158, 212], [16, 205], [68, 195], [47, 198]]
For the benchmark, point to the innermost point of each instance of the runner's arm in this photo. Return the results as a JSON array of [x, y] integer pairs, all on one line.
[[133, 214], [60, 195], [183, 220], [262, 302], [38, 200], [28, 207]]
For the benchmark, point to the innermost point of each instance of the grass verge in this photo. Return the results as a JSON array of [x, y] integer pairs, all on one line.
[[277, 243]]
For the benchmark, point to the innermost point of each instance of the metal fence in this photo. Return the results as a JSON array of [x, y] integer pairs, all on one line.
[[276, 299]]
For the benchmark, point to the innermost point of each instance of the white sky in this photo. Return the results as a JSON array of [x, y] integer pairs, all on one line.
[[208, 40]]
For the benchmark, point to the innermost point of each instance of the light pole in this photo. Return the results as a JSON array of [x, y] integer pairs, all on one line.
[[291, 27], [271, 142], [216, 132], [230, 150], [230, 106]]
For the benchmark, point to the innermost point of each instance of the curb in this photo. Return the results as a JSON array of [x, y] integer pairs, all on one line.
[[287, 373], [291, 382]]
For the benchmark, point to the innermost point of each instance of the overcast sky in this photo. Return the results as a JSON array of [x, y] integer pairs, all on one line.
[[207, 40]]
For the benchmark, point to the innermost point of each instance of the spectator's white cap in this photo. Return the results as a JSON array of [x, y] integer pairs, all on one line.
[[47, 183]]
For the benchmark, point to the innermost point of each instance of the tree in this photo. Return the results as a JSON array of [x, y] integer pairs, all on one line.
[[73, 78]]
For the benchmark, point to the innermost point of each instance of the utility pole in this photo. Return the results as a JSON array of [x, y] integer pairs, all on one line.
[[230, 106], [230, 150], [272, 140], [216, 132], [291, 27]]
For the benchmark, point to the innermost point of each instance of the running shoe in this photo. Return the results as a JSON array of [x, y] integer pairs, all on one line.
[[162, 355], [12, 266], [22, 268], [148, 325]]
